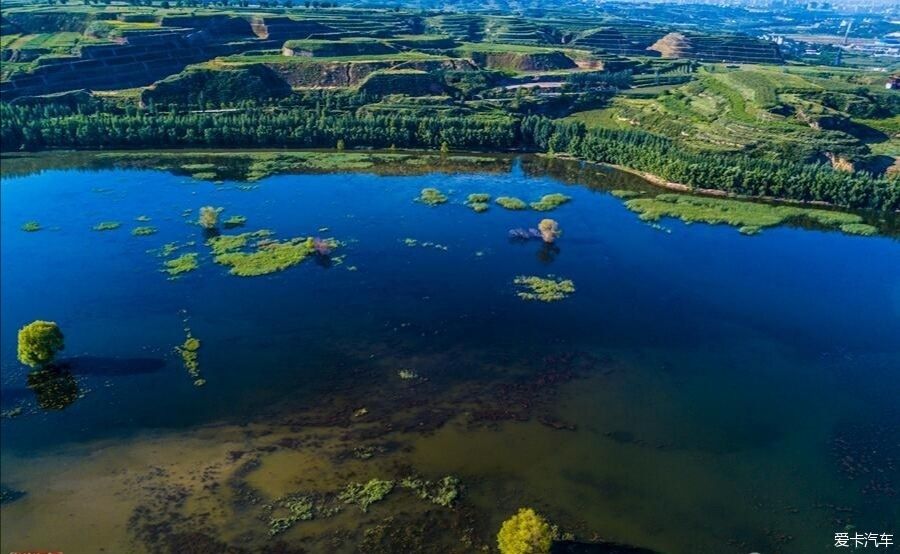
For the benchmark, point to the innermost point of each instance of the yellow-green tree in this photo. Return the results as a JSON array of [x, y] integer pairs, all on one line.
[[39, 341], [209, 217], [525, 533]]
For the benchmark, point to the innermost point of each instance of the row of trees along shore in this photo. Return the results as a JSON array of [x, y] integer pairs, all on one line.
[[33, 128]]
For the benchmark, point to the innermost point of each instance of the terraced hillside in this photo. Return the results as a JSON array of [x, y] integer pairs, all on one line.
[[837, 117]]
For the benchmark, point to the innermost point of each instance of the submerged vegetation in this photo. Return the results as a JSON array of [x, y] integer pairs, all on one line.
[[431, 197], [38, 343], [442, 492], [525, 533], [547, 289], [750, 217], [107, 226], [364, 495], [31, 226], [511, 203]]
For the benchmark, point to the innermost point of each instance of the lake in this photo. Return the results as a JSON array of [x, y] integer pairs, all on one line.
[[699, 391]]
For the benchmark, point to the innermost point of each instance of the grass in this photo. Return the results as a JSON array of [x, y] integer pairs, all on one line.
[[181, 264], [749, 217], [431, 197], [550, 202], [511, 203], [143, 231]]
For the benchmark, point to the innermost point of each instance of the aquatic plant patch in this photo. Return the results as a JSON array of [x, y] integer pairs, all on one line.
[[235, 221], [190, 357], [181, 264], [364, 495], [550, 202], [143, 231], [269, 255], [31, 226], [479, 202], [511, 203], [749, 217], [431, 197], [544, 289], [107, 226]]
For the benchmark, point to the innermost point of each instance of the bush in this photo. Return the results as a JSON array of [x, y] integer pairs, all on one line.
[[39, 341], [209, 217], [525, 533]]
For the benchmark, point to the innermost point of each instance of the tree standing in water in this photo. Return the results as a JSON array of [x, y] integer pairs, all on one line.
[[39, 341]]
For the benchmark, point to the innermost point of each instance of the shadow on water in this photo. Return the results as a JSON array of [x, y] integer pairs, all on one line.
[[54, 387], [111, 367]]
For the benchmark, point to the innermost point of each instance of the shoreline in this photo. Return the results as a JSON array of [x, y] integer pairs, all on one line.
[[652, 179]]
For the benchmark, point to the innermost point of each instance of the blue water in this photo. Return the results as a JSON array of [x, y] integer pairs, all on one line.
[[825, 301]]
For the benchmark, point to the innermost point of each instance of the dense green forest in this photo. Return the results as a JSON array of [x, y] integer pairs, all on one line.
[[40, 127]]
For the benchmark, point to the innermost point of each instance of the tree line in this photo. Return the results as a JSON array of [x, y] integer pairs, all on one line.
[[39, 127]]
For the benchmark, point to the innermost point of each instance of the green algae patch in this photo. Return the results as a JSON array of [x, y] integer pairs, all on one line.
[[364, 495], [181, 264], [549, 289], [479, 202], [431, 197], [107, 226], [31, 226], [511, 203], [142, 218], [235, 221], [625, 194], [749, 217], [550, 202], [190, 357], [143, 231]]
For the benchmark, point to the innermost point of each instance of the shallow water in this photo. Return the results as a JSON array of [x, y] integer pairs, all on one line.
[[701, 391]]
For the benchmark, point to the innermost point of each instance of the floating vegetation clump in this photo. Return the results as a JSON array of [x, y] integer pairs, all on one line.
[[142, 218], [143, 231], [107, 226], [625, 194], [442, 492], [511, 203], [31, 226], [269, 258], [181, 264], [550, 202], [270, 255], [190, 357], [364, 495], [749, 217], [431, 197], [235, 221], [547, 289], [299, 508], [479, 201], [222, 244]]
